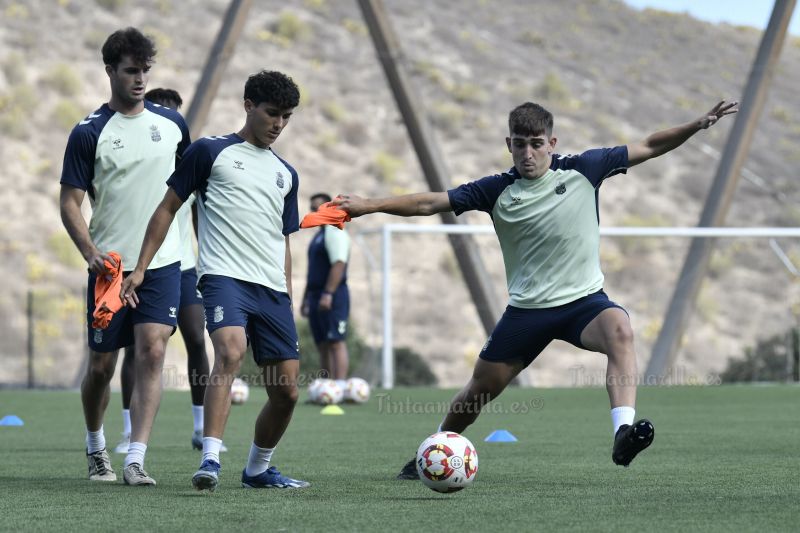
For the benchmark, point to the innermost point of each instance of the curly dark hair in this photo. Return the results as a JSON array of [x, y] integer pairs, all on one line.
[[128, 42], [273, 88], [325, 197], [165, 97], [530, 119]]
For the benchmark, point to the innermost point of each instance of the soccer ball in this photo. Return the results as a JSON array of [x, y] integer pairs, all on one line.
[[240, 391], [313, 390], [329, 392], [356, 390], [447, 462]]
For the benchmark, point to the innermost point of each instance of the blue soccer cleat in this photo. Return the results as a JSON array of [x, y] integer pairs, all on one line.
[[271, 479], [207, 477]]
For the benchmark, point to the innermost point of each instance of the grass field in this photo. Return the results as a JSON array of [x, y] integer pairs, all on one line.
[[725, 458]]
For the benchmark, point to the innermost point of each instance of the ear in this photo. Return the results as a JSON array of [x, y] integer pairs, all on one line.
[[508, 144], [109, 70], [248, 105], [552, 143]]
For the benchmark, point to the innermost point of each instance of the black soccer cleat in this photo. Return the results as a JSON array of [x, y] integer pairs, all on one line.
[[630, 440], [409, 470]]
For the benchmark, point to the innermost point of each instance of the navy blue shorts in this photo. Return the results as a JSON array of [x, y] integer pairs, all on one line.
[[264, 313], [159, 296], [329, 325], [524, 333], [190, 294]]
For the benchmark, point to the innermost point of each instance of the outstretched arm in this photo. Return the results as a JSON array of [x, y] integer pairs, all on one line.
[[153, 238], [407, 205], [661, 142], [70, 203]]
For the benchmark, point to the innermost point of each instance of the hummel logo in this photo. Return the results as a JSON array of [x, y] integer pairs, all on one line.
[[516, 200], [238, 165], [88, 119], [117, 144], [173, 312]]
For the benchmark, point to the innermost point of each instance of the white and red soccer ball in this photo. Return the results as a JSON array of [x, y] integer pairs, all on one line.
[[325, 392], [447, 462], [240, 391], [356, 390]]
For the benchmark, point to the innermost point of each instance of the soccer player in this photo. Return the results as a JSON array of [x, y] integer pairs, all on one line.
[[326, 301], [545, 213], [247, 208], [120, 154], [190, 314]]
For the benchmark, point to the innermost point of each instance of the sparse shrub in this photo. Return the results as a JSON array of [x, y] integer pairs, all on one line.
[[356, 27], [67, 114], [467, 93], [16, 11], [164, 7], [387, 166], [333, 111], [767, 360], [62, 78], [111, 5], [64, 249], [14, 69], [781, 114], [162, 40], [317, 5], [36, 268], [552, 89], [291, 27], [447, 116], [16, 108], [533, 38], [355, 133]]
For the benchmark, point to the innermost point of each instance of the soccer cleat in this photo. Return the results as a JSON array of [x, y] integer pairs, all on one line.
[[271, 479], [197, 442], [630, 440], [123, 445], [409, 470], [207, 477], [134, 475], [100, 466]]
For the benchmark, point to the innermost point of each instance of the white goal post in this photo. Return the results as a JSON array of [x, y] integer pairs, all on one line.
[[387, 231]]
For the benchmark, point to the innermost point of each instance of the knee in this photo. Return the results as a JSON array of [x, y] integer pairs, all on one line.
[[622, 335], [228, 359], [101, 369], [151, 355], [285, 396]]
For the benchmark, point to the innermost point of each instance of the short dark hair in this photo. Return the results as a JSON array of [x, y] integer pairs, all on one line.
[[128, 42], [273, 88], [165, 97], [530, 119], [324, 196]]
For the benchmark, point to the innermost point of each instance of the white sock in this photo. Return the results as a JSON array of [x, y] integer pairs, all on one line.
[[95, 440], [197, 416], [135, 454], [211, 448], [622, 415], [126, 422], [259, 460]]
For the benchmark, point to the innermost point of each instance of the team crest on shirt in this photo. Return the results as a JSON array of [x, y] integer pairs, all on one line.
[[219, 314], [561, 188], [279, 180], [98, 336], [238, 165], [155, 135]]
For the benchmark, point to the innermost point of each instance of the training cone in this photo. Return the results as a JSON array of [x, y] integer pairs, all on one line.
[[500, 435], [332, 410], [11, 420]]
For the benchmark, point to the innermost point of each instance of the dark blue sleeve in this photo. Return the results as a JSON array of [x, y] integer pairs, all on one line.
[[192, 171], [601, 163], [291, 215], [479, 195], [185, 140], [78, 169]]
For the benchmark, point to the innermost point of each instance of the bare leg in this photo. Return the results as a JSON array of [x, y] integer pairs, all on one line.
[[489, 379], [281, 384], [95, 392], [610, 333], [150, 343], [230, 344], [339, 358], [191, 321], [128, 376], [325, 363]]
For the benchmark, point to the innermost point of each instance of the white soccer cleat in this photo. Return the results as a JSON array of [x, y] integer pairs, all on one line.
[[100, 466], [134, 475], [123, 445]]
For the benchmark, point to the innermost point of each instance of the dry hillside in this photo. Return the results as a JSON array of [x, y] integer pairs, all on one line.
[[610, 74]]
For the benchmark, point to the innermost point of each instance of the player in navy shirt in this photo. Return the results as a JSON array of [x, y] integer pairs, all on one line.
[[544, 210], [326, 300], [247, 209]]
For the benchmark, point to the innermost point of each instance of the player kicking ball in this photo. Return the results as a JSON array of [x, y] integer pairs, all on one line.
[[545, 213], [247, 207]]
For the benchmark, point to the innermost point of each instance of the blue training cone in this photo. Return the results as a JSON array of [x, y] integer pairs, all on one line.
[[11, 420], [500, 435]]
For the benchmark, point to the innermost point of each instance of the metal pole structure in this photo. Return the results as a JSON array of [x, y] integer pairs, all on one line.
[[217, 60], [387, 359], [486, 301], [31, 377], [722, 190]]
